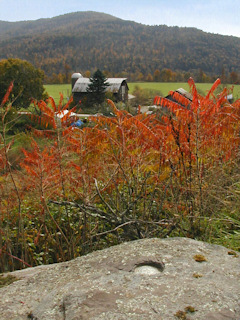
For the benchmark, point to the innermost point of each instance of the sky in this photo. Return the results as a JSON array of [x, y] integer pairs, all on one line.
[[214, 16]]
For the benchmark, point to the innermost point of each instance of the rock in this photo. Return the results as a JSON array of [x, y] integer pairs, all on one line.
[[144, 279]]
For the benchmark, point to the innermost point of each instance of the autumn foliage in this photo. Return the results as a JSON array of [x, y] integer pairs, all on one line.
[[121, 178]]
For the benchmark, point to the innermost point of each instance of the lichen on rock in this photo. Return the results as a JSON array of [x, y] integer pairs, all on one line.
[[110, 284]]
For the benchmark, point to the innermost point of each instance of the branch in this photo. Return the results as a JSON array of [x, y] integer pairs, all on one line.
[[14, 257], [115, 229], [161, 223], [100, 196], [86, 208]]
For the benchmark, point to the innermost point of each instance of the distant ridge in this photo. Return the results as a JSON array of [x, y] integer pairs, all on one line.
[[90, 40]]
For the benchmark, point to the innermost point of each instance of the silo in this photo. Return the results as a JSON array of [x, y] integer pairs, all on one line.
[[75, 77]]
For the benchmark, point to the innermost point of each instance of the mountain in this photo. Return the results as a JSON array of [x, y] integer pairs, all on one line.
[[84, 41]]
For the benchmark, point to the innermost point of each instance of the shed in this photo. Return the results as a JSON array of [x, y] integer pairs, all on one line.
[[171, 97], [181, 91], [118, 86]]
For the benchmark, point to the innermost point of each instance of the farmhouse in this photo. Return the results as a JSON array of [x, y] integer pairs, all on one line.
[[118, 86]]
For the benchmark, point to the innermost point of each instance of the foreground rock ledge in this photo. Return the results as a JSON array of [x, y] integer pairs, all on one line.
[[144, 279]]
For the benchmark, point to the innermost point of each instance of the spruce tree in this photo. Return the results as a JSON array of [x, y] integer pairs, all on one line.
[[97, 88]]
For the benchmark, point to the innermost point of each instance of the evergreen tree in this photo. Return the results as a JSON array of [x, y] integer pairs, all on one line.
[[97, 88]]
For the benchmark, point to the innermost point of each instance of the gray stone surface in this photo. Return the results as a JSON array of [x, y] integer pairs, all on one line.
[[144, 279]]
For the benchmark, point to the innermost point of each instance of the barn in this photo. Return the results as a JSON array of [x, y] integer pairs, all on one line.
[[117, 86]]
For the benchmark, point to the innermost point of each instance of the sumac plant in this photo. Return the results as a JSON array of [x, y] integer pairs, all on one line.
[[203, 142], [122, 178]]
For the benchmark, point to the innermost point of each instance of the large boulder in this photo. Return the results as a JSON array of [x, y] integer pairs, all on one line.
[[174, 278]]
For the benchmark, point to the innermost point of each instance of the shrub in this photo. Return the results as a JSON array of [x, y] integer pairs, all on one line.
[[124, 177]]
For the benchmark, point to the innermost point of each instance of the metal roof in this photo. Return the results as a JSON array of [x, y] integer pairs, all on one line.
[[76, 75], [186, 94], [81, 85], [114, 84]]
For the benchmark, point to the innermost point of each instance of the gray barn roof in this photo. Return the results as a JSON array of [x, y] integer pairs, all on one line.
[[185, 93], [82, 84]]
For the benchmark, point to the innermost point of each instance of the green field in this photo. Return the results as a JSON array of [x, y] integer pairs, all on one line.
[[160, 87], [165, 87], [54, 90]]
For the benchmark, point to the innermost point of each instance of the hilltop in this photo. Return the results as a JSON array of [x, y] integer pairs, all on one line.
[[88, 40]]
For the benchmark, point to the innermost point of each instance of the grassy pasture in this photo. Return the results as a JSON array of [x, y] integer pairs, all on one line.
[[165, 87], [54, 90], [160, 87]]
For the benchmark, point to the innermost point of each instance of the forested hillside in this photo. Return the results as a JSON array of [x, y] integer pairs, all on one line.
[[84, 41]]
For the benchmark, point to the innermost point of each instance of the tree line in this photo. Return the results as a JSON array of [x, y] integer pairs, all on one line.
[[163, 75]]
